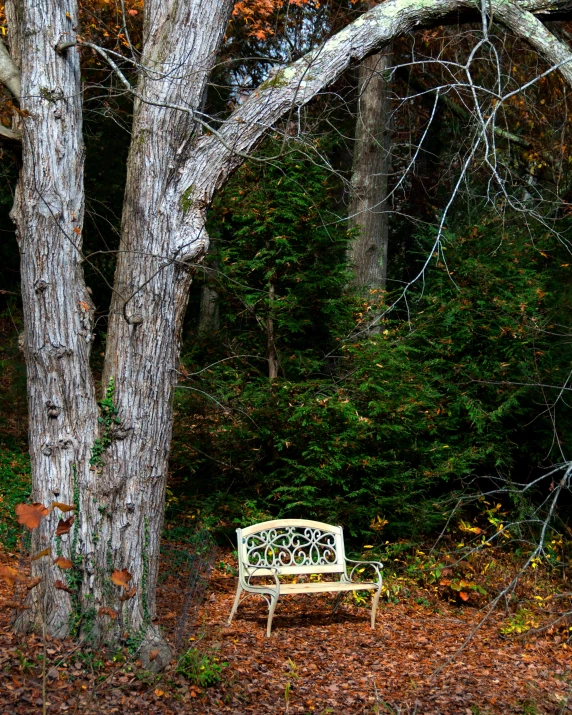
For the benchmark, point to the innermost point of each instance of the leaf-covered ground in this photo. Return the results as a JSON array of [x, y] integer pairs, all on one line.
[[313, 663]]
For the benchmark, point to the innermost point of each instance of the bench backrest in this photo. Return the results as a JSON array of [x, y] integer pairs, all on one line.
[[295, 546]]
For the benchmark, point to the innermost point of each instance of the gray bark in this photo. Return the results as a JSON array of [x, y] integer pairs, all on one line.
[[368, 210], [271, 353], [209, 318], [48, 214], [151, 286], [173, 173], [209, 312]]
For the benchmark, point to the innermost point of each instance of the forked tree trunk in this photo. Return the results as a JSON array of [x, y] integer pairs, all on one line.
[[368, 210], [161, 234], [112, 464]]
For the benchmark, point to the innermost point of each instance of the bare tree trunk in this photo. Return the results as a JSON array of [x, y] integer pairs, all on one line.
[[271, 353], [209, 319], [367, 252], [209, 315], [160, 235], [48, 213]]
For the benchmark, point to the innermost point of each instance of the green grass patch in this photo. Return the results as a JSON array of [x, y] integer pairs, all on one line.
[[15, 487]]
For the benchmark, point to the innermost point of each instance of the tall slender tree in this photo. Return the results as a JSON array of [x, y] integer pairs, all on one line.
[[368, 209]]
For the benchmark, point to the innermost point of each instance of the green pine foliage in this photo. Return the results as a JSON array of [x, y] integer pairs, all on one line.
[[274, 225], [388, 426]]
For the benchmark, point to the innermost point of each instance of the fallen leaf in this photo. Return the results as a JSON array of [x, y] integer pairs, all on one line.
[[61, 586], [30, 515], [16, 604], [63, 563], [33, 583], [64, 526], [62, 507], [105, 611], [128, 594], [10, 575], [45, 552], [121, 578], [153, 654]]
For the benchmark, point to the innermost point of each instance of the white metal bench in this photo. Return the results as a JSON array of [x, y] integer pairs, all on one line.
[[288, 547]]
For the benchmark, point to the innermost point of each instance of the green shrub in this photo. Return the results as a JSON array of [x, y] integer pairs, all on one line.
[[201, 669]]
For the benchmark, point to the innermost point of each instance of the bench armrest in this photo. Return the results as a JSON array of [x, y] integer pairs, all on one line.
[[377, 566], [250, 574]]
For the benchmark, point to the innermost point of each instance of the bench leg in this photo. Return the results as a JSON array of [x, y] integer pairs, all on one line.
[[337, 602], [271, 608], [374, 603], [235, 605]]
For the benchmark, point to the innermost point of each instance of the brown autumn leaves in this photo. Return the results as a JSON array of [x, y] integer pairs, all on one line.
[[30, 515]]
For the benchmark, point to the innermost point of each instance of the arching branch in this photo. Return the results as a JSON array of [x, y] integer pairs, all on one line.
[[217, 156]]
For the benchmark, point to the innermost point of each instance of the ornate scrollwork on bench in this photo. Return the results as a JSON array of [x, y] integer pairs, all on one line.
[[290, 546], [269, 551]]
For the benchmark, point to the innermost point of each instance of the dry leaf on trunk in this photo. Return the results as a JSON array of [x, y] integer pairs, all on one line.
[[62, 507], [17, 605], [64, 525], [61, 586], [63, 563], [121, 578], [30, 515], [128, 594], [33, 583], [45, 552], [105, 611]]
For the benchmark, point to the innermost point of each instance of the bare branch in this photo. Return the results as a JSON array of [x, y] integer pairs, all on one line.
[[11, 135], [524, 24], [298, 83]]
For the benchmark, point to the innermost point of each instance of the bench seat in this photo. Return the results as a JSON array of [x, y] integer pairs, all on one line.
[[287, 547], [324, 587]]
